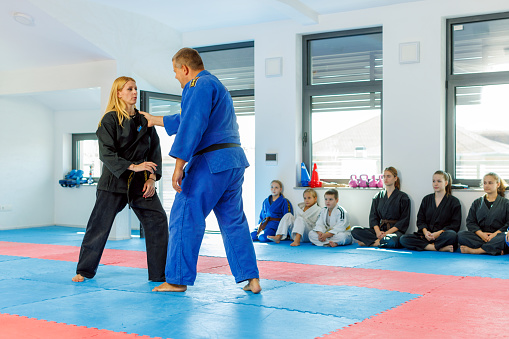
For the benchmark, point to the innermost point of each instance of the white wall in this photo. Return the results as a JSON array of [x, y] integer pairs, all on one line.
[[26, 172], [86, 75], [38, 142], [72, 206], [413, 123]]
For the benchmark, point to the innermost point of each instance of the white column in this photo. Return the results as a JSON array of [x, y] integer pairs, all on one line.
[[121, 228]]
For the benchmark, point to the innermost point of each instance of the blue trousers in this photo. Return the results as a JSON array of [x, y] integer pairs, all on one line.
[[202, 192], [270, 229]]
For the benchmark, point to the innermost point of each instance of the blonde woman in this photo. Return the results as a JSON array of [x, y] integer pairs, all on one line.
[[131, 157], [487, 220]]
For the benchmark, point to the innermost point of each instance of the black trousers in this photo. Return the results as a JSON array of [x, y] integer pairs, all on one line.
[[417, 241], [493, 247], [368, 237], [153, 218]]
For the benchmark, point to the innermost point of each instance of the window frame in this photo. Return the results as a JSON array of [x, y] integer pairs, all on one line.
[[77, 137], [309, 90], [464, 80], [145, 97]]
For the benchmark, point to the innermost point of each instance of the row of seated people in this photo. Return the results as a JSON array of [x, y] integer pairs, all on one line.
[[438, 219]]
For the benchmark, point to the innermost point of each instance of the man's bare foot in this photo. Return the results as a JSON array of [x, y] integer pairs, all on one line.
[[275, 238], [165, 287], [448, 248], [332, 243], [468, 250], [253, 286], [78, 278], [295, 243]]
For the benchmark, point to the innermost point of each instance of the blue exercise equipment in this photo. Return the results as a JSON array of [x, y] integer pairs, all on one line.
[[74, 179]]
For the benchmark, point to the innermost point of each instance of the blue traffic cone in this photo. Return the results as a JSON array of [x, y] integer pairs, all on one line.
[[304, 176]]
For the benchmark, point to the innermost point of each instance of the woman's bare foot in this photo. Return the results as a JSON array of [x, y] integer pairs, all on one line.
[[78, 278], [295, 243], [253, 286], [468, 250], [165, 287], [430, 247], [448, 248], [332, 243], [275, 238], [361, 243], [376, 243]]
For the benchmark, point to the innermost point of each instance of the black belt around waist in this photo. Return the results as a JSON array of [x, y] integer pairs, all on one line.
[[216, 147]]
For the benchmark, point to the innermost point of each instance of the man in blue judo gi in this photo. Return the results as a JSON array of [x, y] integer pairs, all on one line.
[[207, 139]]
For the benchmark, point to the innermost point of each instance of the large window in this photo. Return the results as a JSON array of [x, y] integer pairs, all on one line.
[[233, 65], [342, 103], [85, 155], [160, 104], [477, 87]]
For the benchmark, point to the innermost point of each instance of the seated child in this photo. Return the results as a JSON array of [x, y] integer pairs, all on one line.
[[275, 207], [298, 228], [332, 227]]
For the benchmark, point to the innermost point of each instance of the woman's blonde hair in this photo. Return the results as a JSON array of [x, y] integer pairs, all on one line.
[[115, 103], [498, 179]]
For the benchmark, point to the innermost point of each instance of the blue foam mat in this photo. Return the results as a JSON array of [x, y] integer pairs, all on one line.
[[120, 298], [222, 307]]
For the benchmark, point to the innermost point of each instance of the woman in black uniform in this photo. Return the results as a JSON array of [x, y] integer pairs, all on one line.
[[487, 220], [389, 216], [438, 220], [131, 157]]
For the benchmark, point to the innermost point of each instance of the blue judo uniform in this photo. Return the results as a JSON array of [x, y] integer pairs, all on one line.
[[271, 209], [212, 181]]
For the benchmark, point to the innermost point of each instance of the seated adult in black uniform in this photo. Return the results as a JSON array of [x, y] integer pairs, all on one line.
[[487, 220], [438, 220], [389, 216]]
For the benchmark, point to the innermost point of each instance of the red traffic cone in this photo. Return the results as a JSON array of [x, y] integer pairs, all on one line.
[[315, 181]]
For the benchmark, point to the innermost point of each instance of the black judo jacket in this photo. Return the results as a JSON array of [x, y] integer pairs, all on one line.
[[121, 146]]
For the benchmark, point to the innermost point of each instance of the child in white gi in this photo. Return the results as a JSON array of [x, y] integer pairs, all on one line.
[[332, 227], [298, 227]]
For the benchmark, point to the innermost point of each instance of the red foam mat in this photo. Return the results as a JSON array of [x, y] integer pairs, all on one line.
[[13, 326], [418, 283], [467, 308], [125, 258]]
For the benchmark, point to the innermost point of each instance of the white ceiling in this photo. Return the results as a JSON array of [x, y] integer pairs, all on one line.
[[79, 31]]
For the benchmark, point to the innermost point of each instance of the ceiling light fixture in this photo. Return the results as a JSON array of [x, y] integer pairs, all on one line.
[[23, 18]]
